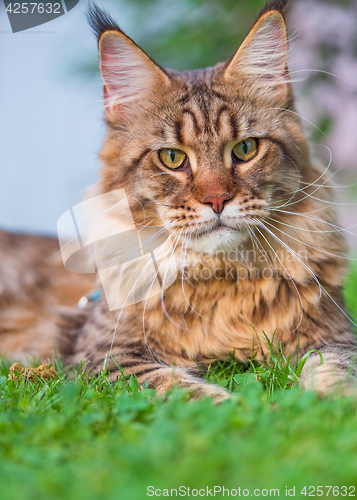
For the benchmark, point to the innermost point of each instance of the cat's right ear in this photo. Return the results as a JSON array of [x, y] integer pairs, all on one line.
[[129, 75]]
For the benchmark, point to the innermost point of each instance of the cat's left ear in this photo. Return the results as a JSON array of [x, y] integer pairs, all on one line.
[[261, 60]]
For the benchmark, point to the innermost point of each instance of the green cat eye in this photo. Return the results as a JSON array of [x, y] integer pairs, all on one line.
[[172, 158], [245, 150]]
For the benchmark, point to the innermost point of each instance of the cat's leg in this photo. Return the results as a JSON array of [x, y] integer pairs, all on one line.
[[137, 358], [337, 373], [163, 378]]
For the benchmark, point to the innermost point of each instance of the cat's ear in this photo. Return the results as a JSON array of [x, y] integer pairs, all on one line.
[[129, 75], [261, 60]]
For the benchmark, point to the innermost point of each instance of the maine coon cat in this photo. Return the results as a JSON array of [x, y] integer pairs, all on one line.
[[218, 157]]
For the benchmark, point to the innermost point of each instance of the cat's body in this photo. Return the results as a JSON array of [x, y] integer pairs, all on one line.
[[254, 235], [36, 296]]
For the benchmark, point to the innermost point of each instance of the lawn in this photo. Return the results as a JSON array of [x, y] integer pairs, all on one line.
[[84, 438]]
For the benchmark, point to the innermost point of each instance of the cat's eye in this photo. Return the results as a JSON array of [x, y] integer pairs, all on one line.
[[172, 158], [245, 150]]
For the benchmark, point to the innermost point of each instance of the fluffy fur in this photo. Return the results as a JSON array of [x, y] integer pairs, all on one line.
[[271, 262]]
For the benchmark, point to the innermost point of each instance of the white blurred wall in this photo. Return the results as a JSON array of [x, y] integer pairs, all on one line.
[[51, 125]]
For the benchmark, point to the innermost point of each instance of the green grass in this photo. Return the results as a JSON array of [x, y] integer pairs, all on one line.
[[85, 438]]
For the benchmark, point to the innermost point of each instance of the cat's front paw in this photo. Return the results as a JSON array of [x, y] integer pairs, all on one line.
[[333, 376], [164, 379]]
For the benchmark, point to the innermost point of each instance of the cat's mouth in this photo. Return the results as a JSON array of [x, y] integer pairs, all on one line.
[[218, 228], [218, 237]]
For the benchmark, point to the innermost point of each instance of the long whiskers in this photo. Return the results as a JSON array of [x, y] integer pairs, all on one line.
[[175, 240], [164, 280], [289, 203], [305, 229], [260, 247], [297, 114], [305, 267], [306, 244], [291, 279], [184, 277], [317, 219]]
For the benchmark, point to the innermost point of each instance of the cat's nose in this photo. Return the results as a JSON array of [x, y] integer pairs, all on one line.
[[217, 202]]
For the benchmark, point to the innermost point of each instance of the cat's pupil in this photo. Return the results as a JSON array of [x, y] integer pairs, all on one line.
[[172, 156], [245, 147]]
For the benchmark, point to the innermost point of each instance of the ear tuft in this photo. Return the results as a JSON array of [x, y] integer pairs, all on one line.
[[277, 5], [100, 21]]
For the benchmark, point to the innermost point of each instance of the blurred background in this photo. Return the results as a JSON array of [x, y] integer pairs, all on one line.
[[51, 118]]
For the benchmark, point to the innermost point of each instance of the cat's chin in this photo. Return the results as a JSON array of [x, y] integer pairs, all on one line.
[[221, 239]]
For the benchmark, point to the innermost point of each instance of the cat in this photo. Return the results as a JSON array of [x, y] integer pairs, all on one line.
[[218, 157]]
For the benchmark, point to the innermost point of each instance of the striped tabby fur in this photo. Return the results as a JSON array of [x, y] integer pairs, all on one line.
[[274, 208]]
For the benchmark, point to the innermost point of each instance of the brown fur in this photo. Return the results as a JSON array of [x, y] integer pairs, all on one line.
[[204, 112], [37, 295]]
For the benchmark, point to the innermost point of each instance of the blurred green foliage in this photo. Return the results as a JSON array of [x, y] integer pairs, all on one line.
[[194, 33], [185, 34], [188, 34]]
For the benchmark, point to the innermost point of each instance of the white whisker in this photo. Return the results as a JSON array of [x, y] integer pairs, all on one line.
[[291, 279], [309, 246], [308, 269]]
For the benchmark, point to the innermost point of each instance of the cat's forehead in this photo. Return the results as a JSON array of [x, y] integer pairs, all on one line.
[[194, 76], [201, 104], [199, 82]]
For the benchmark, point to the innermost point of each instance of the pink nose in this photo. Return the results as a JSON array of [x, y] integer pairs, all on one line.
[[217, 202]]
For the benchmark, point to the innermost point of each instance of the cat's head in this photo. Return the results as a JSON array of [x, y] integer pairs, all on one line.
[[206, 153]]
